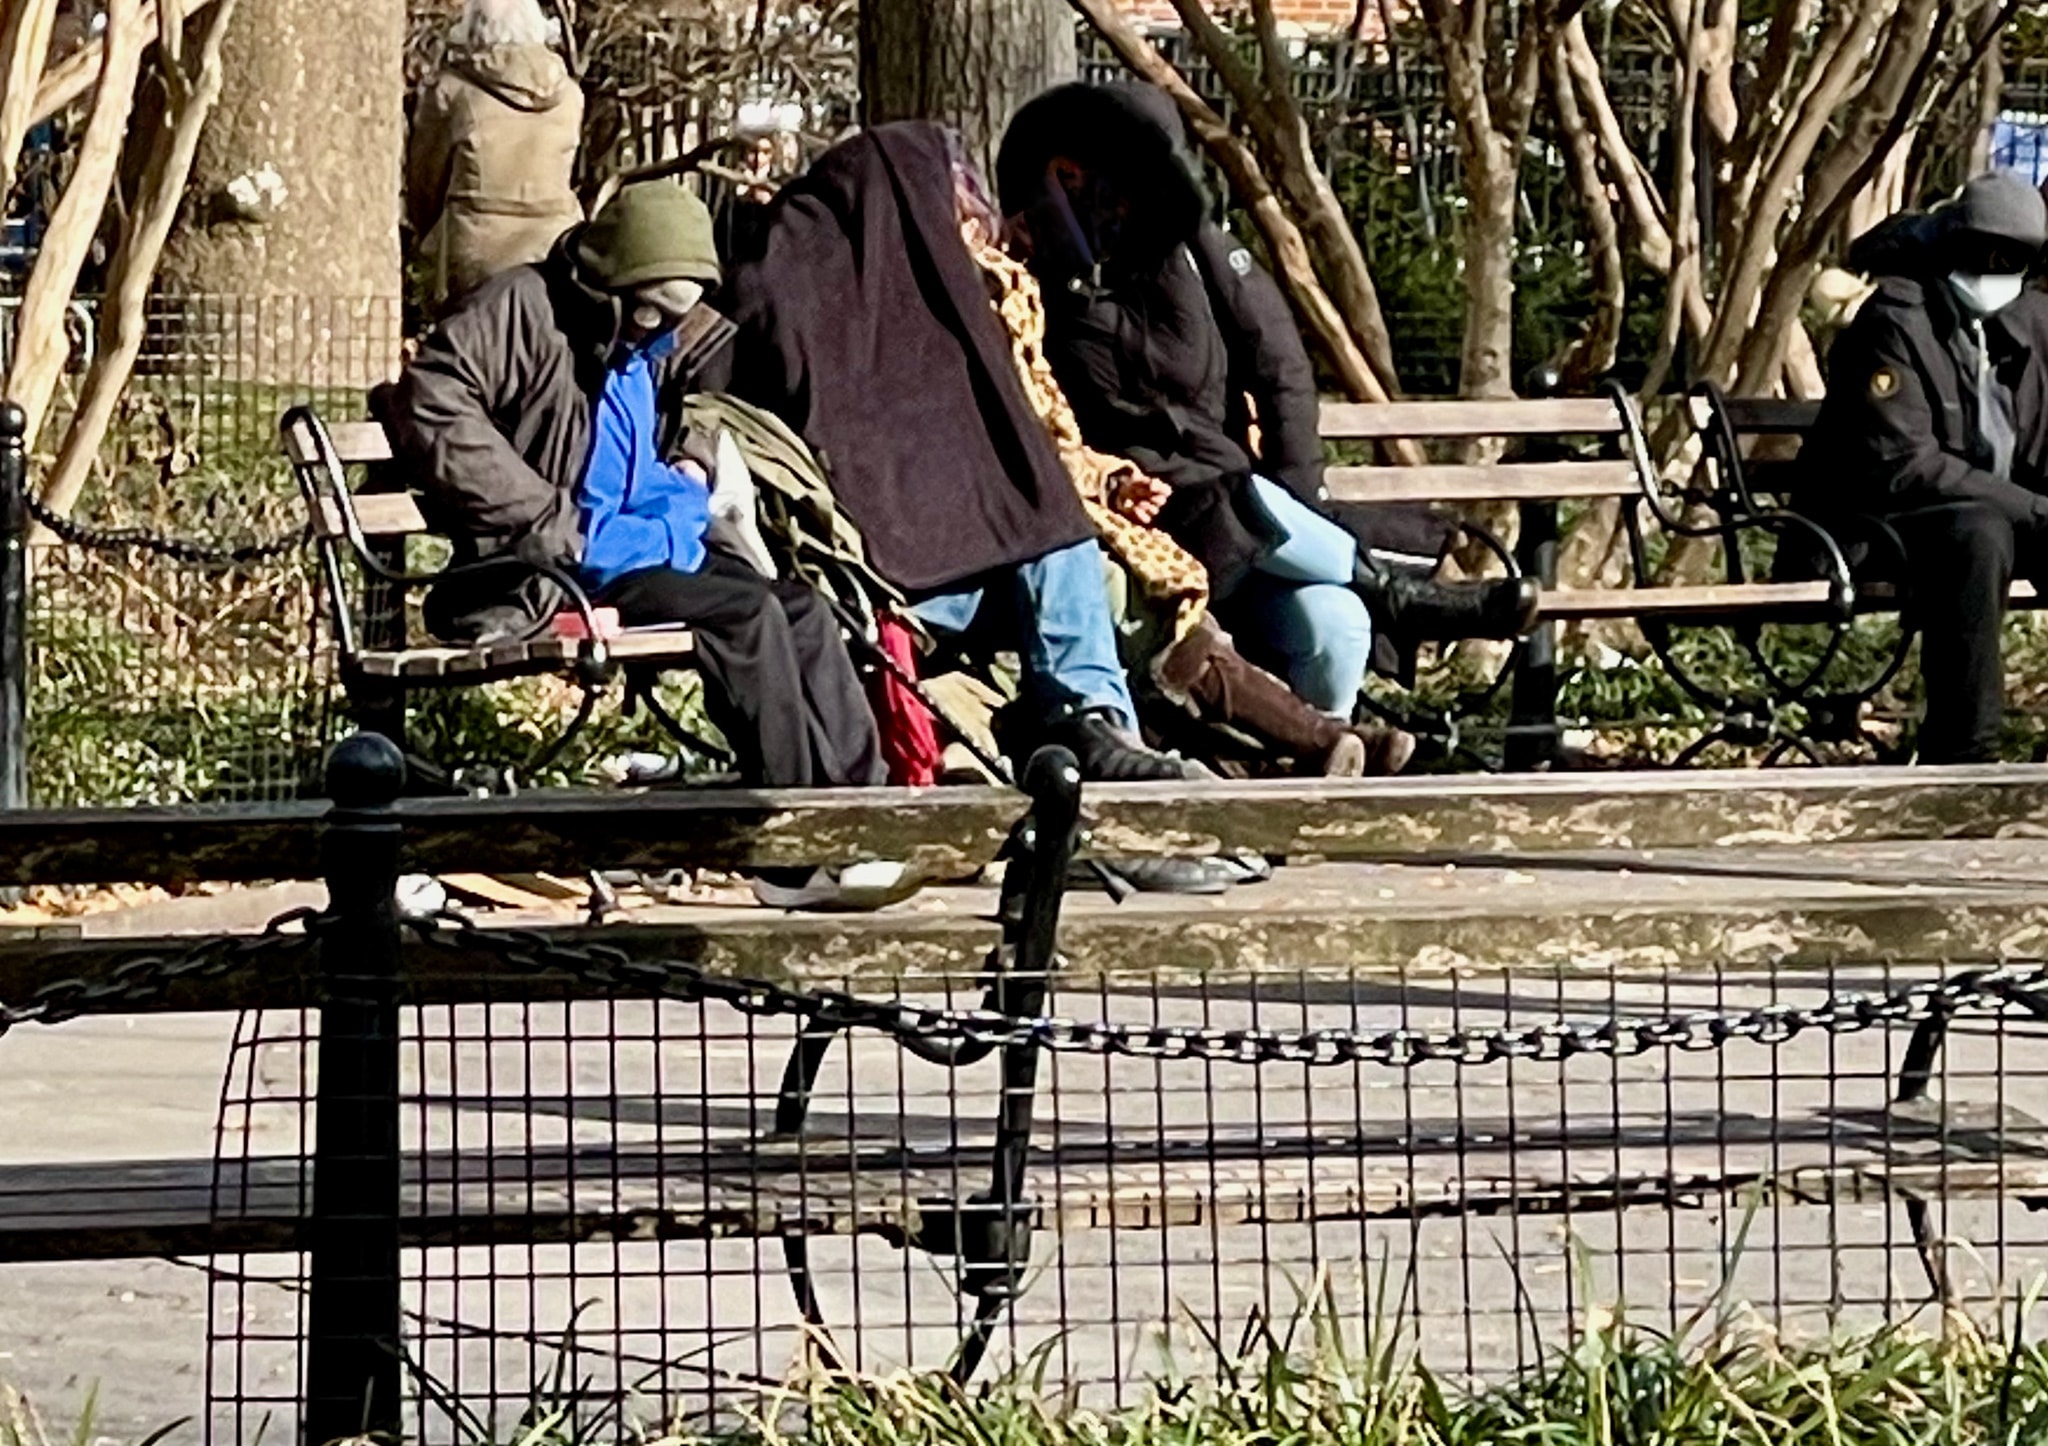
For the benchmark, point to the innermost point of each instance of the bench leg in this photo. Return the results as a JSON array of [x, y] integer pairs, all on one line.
[[996, 1247], [1532, 710], [990, 1231]]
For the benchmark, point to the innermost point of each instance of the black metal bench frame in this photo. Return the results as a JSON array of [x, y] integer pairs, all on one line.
[[375, 665], [1626, 473], [1722, 423]]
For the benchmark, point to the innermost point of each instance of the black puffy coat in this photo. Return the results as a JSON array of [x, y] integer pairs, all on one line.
[[1176, 342]]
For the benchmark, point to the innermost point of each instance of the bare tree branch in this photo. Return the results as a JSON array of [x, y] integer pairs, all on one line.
[[123, 313], [1744, 274], [1630, 177], [1595, 351], [25, 27], [69, 80], [40, 341], [1885, 110], [1684, 204], [1337, 334]]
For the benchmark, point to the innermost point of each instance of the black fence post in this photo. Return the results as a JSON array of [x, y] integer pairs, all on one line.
[[353, 1363], [13, 606]]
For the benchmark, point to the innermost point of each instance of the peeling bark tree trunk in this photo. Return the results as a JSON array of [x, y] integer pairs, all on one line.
[[969, 63], [287, 255], [24, 40], [189, 100], [42, 344]]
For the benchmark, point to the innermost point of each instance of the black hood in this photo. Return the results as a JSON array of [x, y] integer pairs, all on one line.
[[1908, 244], [1129, 137]]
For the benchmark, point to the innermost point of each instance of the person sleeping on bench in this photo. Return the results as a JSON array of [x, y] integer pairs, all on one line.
[[535, 420]]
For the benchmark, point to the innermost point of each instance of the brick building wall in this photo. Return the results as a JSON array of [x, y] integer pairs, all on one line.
[[1304, 16]]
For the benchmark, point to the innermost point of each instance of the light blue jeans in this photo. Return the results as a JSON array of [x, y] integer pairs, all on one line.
[[1299, 604], [1060, 622]]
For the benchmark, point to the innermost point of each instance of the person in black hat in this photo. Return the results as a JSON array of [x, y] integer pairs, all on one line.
[[541, 419], [1936, 423]]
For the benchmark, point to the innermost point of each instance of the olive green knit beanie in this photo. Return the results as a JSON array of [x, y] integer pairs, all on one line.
[[651, 231]]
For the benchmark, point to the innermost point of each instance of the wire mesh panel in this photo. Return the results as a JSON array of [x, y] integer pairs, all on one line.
[[608, 1214], [155, 679]]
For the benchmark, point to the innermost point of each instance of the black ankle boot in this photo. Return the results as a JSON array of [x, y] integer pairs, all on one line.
[[1420, 609]]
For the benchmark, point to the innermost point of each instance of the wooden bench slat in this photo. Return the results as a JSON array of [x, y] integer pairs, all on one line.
[[652, 644], [536, 655], [1505, 482], [1376, 421], [1711, 598], [1624, 602], [355, 444], [642, 1192], [1771, 414], [359, 443], [381, 514]]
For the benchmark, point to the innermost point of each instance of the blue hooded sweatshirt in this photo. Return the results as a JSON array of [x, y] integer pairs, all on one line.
[[638, 511]]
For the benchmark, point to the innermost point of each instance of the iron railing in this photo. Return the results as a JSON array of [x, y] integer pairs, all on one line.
[[655, 1172]]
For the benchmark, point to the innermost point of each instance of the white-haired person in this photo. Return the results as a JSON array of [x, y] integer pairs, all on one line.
[[487, 177]]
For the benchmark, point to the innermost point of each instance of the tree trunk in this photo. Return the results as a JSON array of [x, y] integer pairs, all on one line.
[[285, 264], [1486, 361], [969, 63]]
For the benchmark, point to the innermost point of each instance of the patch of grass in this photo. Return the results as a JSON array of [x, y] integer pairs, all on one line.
[[1328, 1378], [22, 1424], [1315, 1384]]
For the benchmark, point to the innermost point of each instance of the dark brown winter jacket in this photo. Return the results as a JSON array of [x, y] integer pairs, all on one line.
[[492, 420]]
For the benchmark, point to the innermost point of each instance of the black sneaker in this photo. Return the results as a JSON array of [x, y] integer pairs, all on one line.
[[1162, 876], [1110, 754]]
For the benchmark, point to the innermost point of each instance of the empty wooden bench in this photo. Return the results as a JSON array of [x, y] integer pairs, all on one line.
[[360, 534]]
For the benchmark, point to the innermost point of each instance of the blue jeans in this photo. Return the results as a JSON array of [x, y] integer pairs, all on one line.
[[1299, 604], [1059, 617]]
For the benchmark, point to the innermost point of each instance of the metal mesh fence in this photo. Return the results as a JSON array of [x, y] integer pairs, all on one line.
[[155, 680], [603, 1215]]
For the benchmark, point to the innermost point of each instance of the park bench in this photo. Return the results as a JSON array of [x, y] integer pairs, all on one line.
[[741, 1179], [1553, 470], [360, 525]]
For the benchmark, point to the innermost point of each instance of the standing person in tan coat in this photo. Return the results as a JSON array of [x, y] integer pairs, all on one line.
[[487, 182]]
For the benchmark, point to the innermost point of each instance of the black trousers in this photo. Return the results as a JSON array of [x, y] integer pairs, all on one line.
[[777, 680], [1962, 558]]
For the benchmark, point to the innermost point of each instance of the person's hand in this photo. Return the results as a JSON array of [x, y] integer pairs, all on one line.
[[1138, 497]]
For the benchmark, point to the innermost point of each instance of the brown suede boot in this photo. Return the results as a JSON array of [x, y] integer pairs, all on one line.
[[1386, 749], [1205, 669]]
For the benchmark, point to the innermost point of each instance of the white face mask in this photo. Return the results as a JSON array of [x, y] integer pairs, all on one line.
[[1985, 295]]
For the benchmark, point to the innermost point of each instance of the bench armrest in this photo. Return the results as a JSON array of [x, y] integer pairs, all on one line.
[[1744, 514], [324, 479]]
